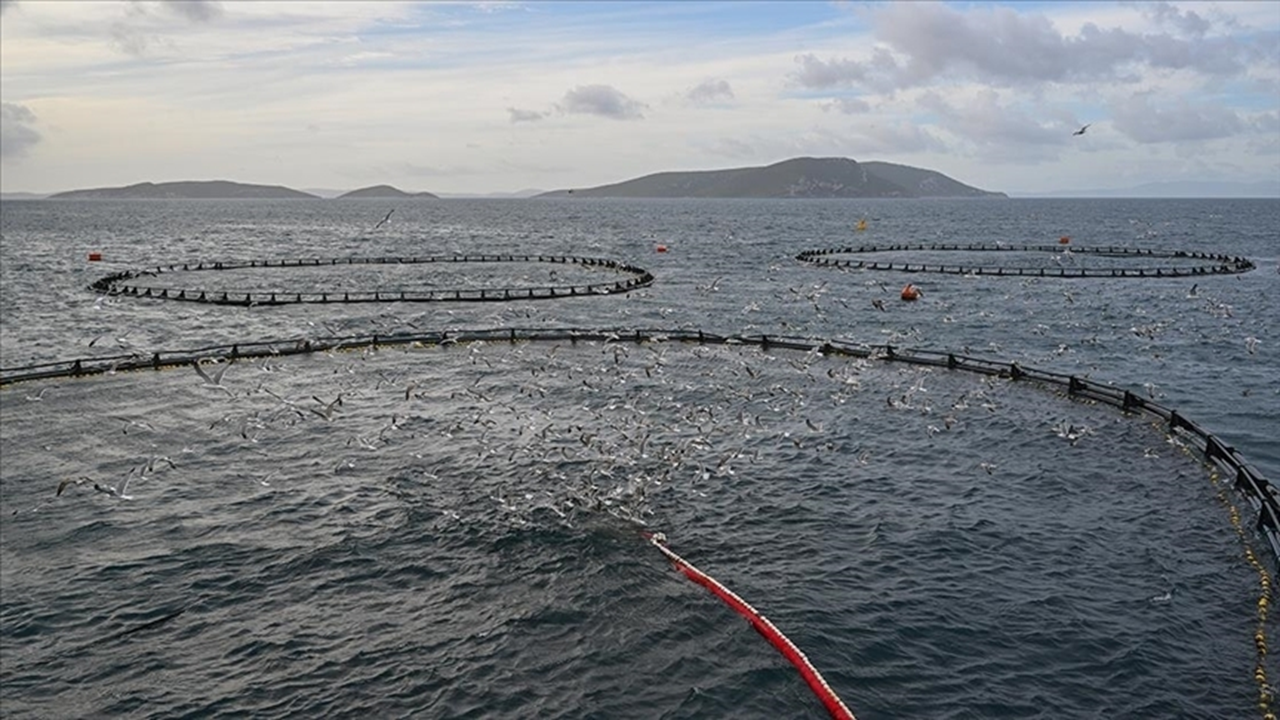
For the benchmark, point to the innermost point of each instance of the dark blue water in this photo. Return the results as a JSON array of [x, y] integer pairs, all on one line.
[[458, 538]]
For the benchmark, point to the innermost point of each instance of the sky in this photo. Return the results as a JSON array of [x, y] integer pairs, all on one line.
[[482, 97]]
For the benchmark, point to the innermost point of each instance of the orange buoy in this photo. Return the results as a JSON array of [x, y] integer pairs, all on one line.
[[910, 292], [662, 248], [95, 257], [1064, 240]]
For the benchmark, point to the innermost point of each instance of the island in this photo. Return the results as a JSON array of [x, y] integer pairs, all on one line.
[[187, 190], [386, 192], [796, 178], [804, 177]]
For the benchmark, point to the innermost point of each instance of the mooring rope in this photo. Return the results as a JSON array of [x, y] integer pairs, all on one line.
[[811, 676], [1265, 690]]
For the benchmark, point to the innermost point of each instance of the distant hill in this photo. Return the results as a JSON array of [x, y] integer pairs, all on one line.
[[187, 190], [386, 192], [795, 178]]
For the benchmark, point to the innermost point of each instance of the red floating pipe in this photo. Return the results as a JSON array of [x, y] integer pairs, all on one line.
[[816, 682]]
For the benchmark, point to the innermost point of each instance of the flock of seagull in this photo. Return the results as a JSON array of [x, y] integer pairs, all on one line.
[[697, 439], [596, 427]]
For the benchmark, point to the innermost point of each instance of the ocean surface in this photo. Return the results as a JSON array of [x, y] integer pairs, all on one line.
[[454, 531]]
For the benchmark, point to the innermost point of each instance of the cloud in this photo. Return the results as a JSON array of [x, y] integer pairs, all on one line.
[[229, 90], [142, 28], [897, 138], [16, 134], [1268, 123], [819, 74], [602, 100], [919, 44], [983, 118], [518, 115], [1177, 121], [994, 128], [847, 105], [709, 91], [1189, 23], [195, 10], [1266, 138]]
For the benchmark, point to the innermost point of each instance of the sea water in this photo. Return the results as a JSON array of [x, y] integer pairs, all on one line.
[[453, 531]]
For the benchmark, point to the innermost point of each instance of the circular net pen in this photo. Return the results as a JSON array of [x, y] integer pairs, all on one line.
[[444, 278], [1065, 261], [934, 530]]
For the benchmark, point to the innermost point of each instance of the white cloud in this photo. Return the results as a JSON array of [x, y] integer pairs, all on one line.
[[518, 115], [895, 139], [195, 10], [848, 105], [710, 91], [1148, 121], [921, 43], [17, 136], [985, 117], [603, 100]]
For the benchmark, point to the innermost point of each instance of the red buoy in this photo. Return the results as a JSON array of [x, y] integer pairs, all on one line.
[[910, 292], [662, 248], [95, 257], [1064, 240]]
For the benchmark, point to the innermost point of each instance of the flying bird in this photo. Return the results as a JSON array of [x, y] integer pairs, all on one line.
[[78, 481], [114, 490], [100, 487], [216, 379], [329, 408], [1082, 129], [384, 220]]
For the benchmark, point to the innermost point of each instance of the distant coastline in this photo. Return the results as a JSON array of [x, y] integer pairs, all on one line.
[[802, 177]]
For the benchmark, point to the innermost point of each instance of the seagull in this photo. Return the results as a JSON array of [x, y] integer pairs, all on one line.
[[105, 489], [128, 423], [1082, 129], [216, 379], [328, 411], [153, 462], [118, 492], [78, 481], [384, 220]]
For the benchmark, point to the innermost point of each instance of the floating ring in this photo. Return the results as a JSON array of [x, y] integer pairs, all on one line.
[[1045, 261], [348, 280]]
